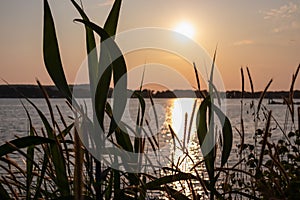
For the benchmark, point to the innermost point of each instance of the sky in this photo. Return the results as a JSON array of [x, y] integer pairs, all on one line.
[[263, 35]]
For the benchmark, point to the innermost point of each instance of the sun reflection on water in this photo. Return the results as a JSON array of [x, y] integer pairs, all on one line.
[[181, 116]]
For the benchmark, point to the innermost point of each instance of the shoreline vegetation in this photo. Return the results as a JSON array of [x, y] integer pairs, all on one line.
[[58, 164], [33, 91]]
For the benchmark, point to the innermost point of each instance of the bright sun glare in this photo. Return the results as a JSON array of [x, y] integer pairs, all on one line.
[[186, 29]]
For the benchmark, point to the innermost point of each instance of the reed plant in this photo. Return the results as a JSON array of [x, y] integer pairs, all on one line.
[[58, 166], [268, 168]]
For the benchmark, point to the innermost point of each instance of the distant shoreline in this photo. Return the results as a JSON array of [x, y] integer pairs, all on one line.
[[33, 91]]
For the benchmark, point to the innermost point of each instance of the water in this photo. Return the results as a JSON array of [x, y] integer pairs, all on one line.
[[14, 121], [174, 112]]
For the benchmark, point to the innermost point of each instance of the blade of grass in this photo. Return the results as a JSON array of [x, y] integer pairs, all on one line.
[[12, 191], [201, 120], [57, 155], [119, 69], [202, 133], [30, 155], [174, 193], [40, 178], [198, 82], [243, 82], [174, 136], [242, 132], [211, 79], [265, 138], [299, 119], [4, 194], [262, 97], [23, 143], [179, 176], [227, 135], [111, 23], [13, 164], [251, 82], [78, 168], [185, 131], [123, 139], [91, 50], [291, 94], [51, 54], [191, 121]]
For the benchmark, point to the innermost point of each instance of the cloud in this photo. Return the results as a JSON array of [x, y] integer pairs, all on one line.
[[294, 25], [285, 11], [243, 42], [285, 18], [106, 3]]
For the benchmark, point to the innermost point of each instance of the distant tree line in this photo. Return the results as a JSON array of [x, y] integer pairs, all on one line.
[[82, 91]]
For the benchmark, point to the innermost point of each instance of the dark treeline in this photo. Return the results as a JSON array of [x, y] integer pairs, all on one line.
[[82, 91]]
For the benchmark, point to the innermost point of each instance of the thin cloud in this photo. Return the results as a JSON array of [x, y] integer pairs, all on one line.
[[285, 11], [243, 42], [294, 25], [284, 18], [106, 3]]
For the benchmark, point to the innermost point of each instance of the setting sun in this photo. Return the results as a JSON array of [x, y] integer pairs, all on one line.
[[186, 29]]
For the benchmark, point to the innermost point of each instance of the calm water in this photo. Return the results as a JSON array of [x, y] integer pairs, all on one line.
[[175, 112], [14, 121]]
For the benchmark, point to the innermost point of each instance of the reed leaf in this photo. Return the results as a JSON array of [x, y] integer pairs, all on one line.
[[265, 140], [227, 134], [13, 164], [251, 82], [23, 143], [198, 83], [174, 136], [119, 69], [191, 121], [30, 156], [123, 139], [243, 82], [108, 190], [154, 109], [142, 106], [177, 195], [57, 156], [4, 194], [111, 23], [117, 182], [78, 168], [179, 176], [139, 122], [211, 79], [91, 50], [51, 54], [110, 27], [262, 97], [40, 178], [201, 120], [197, 77], [202, 133], [291, 94]]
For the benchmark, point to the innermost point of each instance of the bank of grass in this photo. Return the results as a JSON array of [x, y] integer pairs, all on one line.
[[58, 166]]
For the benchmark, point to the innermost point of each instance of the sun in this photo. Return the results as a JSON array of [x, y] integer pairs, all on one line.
[[186, 29]]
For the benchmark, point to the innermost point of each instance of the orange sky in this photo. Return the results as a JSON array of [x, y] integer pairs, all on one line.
[[265, 36]]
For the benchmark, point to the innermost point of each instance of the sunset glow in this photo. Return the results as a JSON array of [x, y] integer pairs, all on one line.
[[265, 36], [186, 29]]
